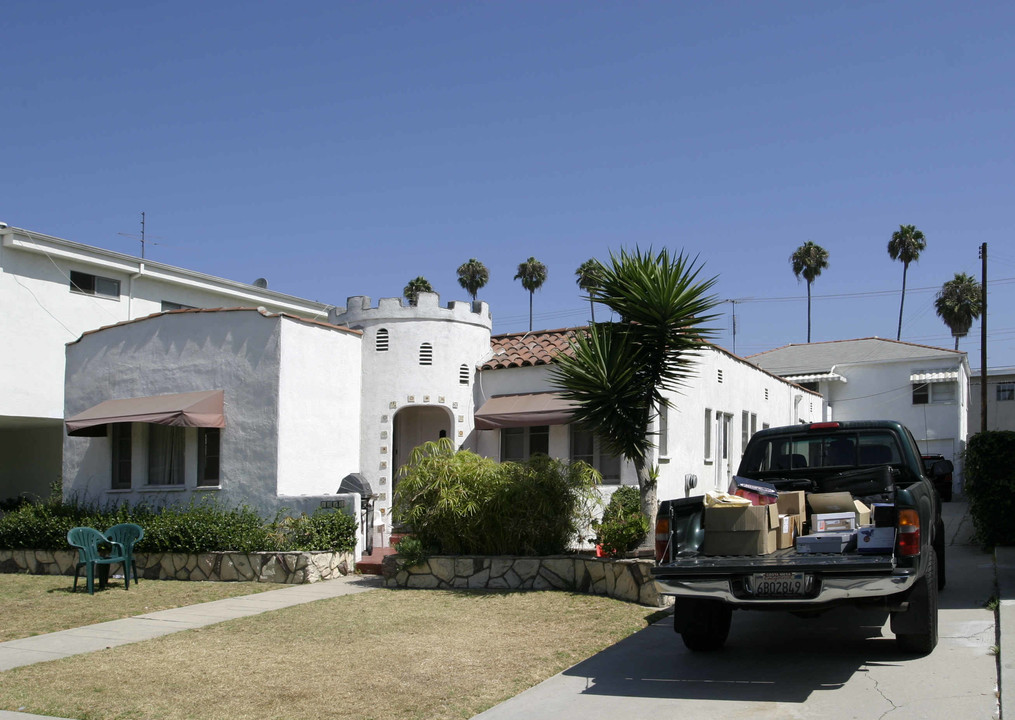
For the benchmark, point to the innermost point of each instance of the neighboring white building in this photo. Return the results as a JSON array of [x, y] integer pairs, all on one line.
[[1000, 400], [924, 388], [240, 404], [52, 291], [702, 435]]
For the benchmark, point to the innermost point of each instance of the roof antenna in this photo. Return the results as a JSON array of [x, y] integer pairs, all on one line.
[[142, 238]]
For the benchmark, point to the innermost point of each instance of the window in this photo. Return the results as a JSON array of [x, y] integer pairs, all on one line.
[[663, 440], [208, 442], [168, 305], [934, 393], [426, 354], [381, 341], [708, 434], [1005, 391], [585, 446], [520, 443], [745, 430], [165, 454], [464, 375], [122, 449], [94, 285]]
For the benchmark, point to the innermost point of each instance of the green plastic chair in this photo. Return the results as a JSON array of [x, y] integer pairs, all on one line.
[[126, 535], [87, 540]]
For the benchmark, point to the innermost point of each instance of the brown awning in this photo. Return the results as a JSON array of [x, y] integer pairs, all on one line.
[[502, 411], [193, 409]]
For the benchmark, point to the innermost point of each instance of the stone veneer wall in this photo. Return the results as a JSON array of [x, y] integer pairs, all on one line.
[[629, 580], [274, 567]]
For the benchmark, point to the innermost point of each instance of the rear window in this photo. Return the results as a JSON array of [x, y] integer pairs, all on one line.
[[839, 450]]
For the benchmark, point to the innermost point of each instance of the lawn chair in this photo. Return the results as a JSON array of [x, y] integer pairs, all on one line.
[[87, 540], [126, 535]]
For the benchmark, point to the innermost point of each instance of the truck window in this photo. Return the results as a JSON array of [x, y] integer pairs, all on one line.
[[799, 452]]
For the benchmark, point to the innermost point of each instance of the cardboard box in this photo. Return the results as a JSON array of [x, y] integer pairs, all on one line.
[[789, 528], [833, 522], [792, 512], [875, 540], [822, 503], [746, 530], [883, 514], [831, 542]]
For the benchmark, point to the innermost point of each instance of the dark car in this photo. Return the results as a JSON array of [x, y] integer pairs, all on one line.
[[941, 474]]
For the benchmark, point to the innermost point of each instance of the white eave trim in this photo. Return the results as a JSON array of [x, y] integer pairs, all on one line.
[[932, 376], [815, 377]]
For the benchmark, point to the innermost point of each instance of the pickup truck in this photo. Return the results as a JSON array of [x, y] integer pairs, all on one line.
[[877, 462]]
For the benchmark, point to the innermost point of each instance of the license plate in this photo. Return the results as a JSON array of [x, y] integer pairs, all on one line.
[[779, 584]]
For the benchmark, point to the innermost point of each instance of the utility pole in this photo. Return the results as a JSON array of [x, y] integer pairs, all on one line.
[[983, 339]]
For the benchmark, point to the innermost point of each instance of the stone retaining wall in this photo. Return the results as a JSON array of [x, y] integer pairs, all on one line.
[[274, 567], [622, 579]]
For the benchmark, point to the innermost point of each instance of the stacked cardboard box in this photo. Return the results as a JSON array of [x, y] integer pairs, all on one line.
[[743, 530]]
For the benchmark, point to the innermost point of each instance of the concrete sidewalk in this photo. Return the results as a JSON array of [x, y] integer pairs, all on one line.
[[100, 636]]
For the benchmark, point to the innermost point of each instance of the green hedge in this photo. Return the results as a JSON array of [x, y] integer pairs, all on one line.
[[462, 503], [990, 486], [198, 527], [623, 526]]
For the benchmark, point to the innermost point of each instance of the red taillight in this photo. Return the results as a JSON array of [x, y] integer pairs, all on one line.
[[909, 532], [662, 537]]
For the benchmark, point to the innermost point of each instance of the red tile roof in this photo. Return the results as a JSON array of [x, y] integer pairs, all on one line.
[[538, 347]]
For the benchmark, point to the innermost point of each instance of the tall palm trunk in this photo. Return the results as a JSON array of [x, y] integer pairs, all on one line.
[[902, 303], [649, 503], [808, 311], [531, 293]]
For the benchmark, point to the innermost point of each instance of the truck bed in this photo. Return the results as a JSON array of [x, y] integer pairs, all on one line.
[[787, 560]]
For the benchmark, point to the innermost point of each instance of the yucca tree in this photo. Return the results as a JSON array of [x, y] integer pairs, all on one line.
[[587, 276], [619, 371], [959, 303], [808, 261], [472, 276], [416, 286], [906, 245], [532, 273]]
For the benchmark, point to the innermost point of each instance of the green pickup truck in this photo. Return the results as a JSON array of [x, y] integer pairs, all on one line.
[[878, 462]]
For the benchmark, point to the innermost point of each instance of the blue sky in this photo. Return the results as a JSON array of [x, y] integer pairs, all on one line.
[[341, 148]]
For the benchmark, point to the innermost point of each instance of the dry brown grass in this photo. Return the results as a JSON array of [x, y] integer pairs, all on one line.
[[36, 604], [381, 654]]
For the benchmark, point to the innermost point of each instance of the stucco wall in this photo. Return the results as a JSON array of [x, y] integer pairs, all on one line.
[[234, 351], [319, 408], [30, 462]]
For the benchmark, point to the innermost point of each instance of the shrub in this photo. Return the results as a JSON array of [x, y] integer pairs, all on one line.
[[623, 526], [461, 503], [198, 527], [990, 485]]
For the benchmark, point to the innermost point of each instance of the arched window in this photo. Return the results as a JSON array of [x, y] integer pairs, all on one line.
[[382, 340], [426, 354]]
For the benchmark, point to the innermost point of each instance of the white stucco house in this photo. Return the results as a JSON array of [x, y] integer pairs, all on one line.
[[53, 290], [1000, 399], [925, 388], [699, 440]]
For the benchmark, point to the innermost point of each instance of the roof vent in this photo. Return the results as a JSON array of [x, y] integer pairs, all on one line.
[[261, 283]]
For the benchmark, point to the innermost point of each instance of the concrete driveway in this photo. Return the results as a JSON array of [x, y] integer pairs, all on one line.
[[843, 664]]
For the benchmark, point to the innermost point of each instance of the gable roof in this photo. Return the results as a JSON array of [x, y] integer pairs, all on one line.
[[528, 349], [821, 357]]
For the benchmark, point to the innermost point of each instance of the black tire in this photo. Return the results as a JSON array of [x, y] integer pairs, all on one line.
[[705, 626], [922, 613]]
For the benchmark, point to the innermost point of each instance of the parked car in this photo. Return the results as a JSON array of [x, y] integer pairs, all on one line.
[[943, 478]]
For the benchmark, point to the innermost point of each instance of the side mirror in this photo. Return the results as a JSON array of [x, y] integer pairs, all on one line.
[[941, 468]]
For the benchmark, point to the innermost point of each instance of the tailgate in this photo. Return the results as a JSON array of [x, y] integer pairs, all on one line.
[[787, 560]]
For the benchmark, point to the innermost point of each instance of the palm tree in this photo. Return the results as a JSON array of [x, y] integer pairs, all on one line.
[[619, 370], [472, 276], [958, 304], [906, 245], [532, 273], [417, 285], [588, 280], [809, 260]]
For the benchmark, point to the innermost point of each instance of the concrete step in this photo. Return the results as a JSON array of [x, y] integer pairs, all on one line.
[[371, 564]]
